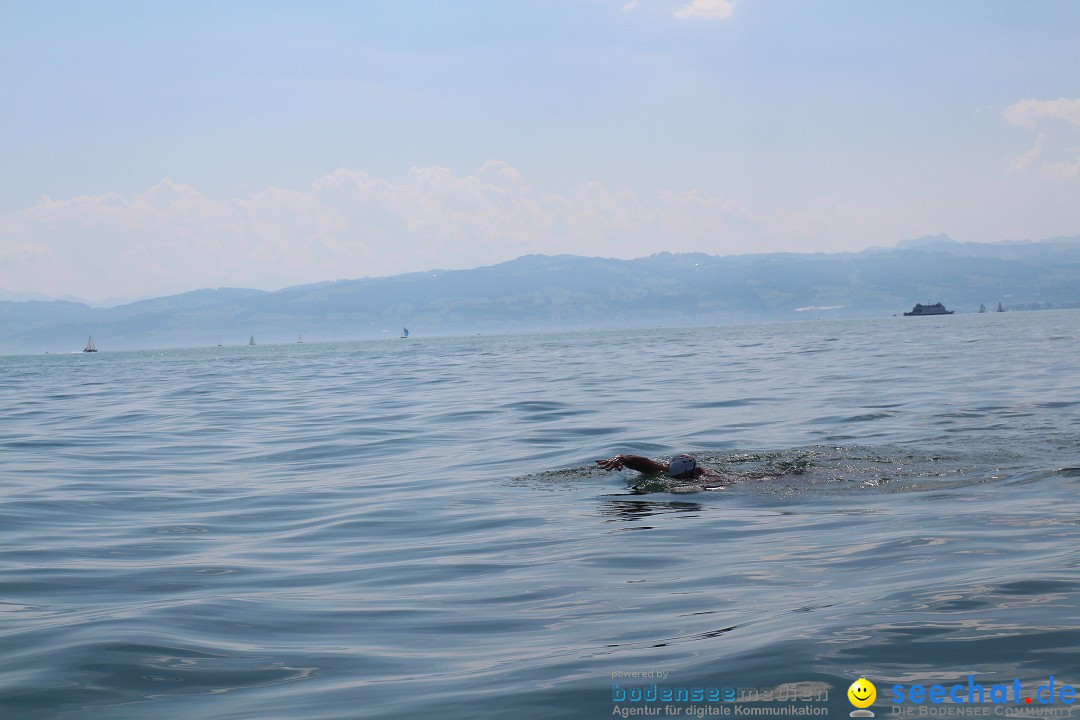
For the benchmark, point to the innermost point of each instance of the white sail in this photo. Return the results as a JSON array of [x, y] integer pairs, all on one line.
[[90, 345], [252, 340]]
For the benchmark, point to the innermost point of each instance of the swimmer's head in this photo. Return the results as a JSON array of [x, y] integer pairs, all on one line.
[[681, 465]]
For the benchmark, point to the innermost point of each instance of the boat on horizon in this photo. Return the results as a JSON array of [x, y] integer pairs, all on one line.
[[404, 333], [300, 340], [252, 340], [935, 309], [982, 308], [90, 345], [1000, 309]]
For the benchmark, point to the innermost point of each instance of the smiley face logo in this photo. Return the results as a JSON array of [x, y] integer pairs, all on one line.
[[862, 693]]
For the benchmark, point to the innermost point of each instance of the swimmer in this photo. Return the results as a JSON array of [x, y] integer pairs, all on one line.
[[681, 467]]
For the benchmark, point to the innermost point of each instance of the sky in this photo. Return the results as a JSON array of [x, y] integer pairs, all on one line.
[[148, 148]]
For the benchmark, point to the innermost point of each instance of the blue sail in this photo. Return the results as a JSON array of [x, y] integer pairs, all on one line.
[[404, 332]]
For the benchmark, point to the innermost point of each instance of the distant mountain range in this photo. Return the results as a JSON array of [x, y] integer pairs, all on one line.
[[567, 292]]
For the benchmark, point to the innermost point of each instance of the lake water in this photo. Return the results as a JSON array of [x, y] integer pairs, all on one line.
[[416, 528]]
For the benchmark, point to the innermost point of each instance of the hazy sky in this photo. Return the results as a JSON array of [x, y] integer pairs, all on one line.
[[154, 147]]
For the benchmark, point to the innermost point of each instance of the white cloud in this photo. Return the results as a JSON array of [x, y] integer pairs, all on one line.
[[1052, 145], [630, 6], [1028, 112], [172, 237], [1061, 170], [705, 10], [1025, 161]]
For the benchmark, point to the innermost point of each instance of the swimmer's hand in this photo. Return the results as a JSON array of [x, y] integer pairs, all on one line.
[[615, 463], [634, 462]]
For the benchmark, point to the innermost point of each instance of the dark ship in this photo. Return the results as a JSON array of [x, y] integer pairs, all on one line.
[[935, 309]]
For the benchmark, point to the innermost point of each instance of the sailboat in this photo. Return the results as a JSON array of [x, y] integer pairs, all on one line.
[[404, 333], [1000, 309], [300, 340], [252, 340], [90, 345], [982, 308]]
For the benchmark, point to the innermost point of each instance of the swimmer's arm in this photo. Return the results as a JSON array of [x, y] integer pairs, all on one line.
[[634, 462]]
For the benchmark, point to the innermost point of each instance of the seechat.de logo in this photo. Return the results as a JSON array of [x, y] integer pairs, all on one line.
[[862, 694]]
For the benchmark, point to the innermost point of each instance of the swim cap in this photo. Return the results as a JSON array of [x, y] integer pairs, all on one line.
[[681, 464]]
